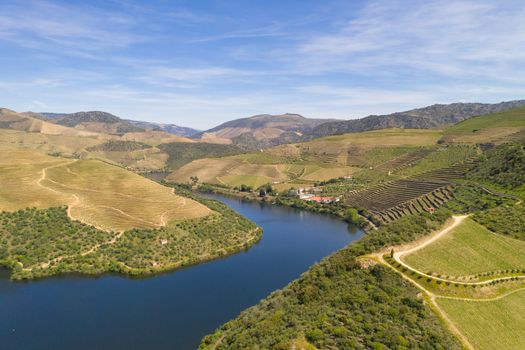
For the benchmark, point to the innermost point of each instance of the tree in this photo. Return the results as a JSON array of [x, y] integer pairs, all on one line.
[[245, 188], [352, 216], [194, 180]]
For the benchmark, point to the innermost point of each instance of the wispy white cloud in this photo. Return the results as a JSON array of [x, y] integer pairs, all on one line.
[[75, 29], [335, 59], [272, 30], [459, 39]]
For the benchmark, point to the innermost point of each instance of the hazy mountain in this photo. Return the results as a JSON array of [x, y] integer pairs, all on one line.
[[434, 116], [261, 130], [33, 122], [95, 121], [47, 115], [170, 128], [113, 123]]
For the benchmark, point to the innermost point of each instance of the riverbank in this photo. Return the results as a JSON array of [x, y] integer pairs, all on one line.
[[334, 209], [47, 243], [171, 310]]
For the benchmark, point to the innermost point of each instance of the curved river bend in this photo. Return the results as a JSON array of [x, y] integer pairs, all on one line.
[[170, 311]]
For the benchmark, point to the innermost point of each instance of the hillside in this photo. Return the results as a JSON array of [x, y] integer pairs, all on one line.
[[434, 116], [89, 135], [103, 117], [505, 126], [181, 153], [469, 270], [503, 168], [83, 215], [260, 130], [122, 201], [322, 159], [26, 122], [95, 121]]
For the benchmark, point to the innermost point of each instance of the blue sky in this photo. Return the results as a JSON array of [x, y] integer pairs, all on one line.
[[200, 63]]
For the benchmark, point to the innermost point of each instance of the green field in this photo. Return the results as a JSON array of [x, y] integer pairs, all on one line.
[[498, 324], [468, 250], [387, 137], [253, 181], [497, 127], [510, 118]]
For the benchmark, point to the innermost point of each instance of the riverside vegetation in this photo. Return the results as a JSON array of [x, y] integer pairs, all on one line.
[[339, 304], [346, 303], [350, 301], [43, 242]]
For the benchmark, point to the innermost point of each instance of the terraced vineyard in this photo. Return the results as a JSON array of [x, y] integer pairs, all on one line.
[[405, 160], [424, 192], [448, 174]]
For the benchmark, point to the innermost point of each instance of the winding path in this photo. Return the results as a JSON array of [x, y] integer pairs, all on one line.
[[163, 219], [457, 221], [404, 250]]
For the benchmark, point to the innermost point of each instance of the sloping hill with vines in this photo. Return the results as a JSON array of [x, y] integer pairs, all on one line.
[[407, 196]]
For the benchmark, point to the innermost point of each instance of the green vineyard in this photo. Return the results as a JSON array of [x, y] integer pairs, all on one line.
[[405, 160], [423, 192]]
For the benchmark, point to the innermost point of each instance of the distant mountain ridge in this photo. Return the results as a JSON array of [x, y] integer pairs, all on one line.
[[261, 130], [170, 128], [74, 119], [433, 116], [119, 125], [96, 121], [33, 122]]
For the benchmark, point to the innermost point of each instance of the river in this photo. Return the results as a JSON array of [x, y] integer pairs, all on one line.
[[173, 310]]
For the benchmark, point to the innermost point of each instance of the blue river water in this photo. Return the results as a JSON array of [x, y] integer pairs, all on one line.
[[173, 310]]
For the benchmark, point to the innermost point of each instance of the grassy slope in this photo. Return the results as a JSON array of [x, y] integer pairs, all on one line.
[[130, 200], [467, 250], [19, 174], [97, 193], [490, 325], [387, 137], [510, 118], [13, 140], [181, 153], [443, 157], [492, 127]]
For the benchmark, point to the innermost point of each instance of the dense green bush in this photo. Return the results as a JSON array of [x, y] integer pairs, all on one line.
[[472, 199], [505, 219], [503, 165]]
